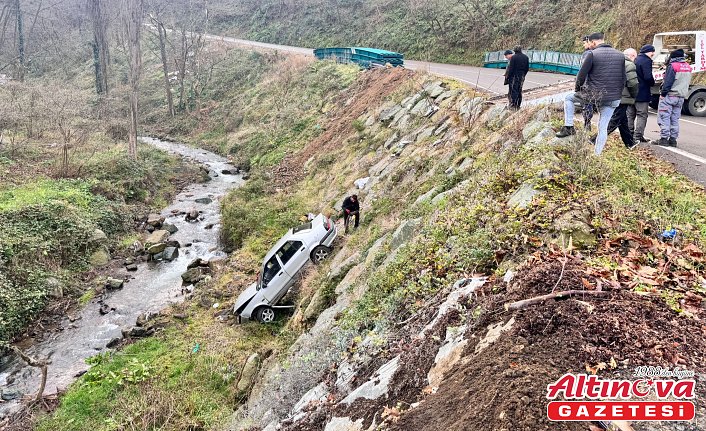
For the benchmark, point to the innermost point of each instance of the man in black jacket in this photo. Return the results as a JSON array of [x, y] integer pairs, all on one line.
[[351, 208], [601, 81], [517, 69], [638, 115]]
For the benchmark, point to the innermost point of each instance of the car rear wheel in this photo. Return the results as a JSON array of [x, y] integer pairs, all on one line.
[[320, 254], [265, 314], [696, 105]]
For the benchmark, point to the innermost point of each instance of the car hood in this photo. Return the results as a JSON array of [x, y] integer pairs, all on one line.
[[244, 297]]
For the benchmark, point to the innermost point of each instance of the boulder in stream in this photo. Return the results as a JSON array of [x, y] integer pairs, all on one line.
[[197, 263], [192, 215], [156, 248], [114, 283], [170, 253], [204, 201], [156, 237], [155, 220], [170, 228], [193, 275]]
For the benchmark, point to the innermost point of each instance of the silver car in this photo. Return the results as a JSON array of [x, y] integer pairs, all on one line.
[[282, 264]]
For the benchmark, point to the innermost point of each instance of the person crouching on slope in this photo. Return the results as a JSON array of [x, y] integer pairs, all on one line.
[[351, 208]]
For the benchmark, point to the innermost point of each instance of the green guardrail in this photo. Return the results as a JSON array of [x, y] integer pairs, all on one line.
[[365, 57], [549, 61]]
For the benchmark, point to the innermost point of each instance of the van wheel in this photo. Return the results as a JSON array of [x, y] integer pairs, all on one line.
[[265, 314], [320, 254], [696, 105]]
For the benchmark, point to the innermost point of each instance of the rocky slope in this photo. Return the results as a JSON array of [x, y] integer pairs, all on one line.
[[415, 323], [470, 208]]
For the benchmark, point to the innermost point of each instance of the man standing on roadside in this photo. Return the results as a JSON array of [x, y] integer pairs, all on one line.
[[675, 89], [620, 116], [517, 69], [637, 115], [601, 81]]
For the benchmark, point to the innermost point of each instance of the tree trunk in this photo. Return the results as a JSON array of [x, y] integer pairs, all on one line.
[[182, 69], [163, 53], [20, 43], [101, 54], [133, 16]]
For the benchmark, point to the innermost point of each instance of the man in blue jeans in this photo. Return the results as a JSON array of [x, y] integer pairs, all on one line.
[[600, 81]]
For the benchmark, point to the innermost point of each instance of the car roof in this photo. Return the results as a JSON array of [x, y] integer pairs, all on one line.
[[290, 235]]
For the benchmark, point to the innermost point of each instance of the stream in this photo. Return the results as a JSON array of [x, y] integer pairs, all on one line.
[[150, 289]]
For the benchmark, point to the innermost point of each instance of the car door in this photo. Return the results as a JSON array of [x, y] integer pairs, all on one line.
[[293, 256], [274, 279]]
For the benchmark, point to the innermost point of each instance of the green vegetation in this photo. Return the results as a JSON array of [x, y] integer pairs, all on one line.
[[45, 225], [183, 378], [46, 222], [446, 30]]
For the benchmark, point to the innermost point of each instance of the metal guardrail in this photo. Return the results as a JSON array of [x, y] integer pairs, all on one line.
[[550, 61], [365, 57]]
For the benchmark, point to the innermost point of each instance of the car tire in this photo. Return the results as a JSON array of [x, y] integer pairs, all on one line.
[[320, 253], [265, 314], [696, 105]]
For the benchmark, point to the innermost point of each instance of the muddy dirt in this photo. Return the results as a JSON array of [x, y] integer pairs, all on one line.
[[504, 386]]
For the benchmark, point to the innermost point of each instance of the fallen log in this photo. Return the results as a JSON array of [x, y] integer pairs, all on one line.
[[519, 305]]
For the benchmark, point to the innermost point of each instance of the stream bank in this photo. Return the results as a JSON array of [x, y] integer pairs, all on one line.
[[102, 323]]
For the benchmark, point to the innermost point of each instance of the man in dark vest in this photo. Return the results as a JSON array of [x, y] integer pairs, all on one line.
[[517, 69], [601, 81]]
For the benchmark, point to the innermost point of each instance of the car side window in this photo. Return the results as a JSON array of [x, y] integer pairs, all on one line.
[[288, 250], [272, 267]]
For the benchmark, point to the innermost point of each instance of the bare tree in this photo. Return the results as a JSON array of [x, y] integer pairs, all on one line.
[[20, 42], [69, 117], [158, 26], [101, 53], [132, 16]]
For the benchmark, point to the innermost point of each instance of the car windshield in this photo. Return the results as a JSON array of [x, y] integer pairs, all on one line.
[[305, 226]]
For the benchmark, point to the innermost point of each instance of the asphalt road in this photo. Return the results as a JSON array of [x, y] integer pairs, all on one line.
[[689, 157], [489, 80]]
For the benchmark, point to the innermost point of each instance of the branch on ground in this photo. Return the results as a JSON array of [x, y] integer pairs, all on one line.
[[519, 305]]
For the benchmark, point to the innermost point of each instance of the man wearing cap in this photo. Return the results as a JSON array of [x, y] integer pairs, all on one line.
[[637, 115], [675, 88], [601, 80], [517, 68]]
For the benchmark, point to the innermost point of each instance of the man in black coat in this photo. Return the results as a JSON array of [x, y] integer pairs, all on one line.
[[517, 69], [351, 208], [638, 115]]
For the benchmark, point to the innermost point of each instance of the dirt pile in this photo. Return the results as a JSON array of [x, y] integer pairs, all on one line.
[[498, 381], [504, 386]]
